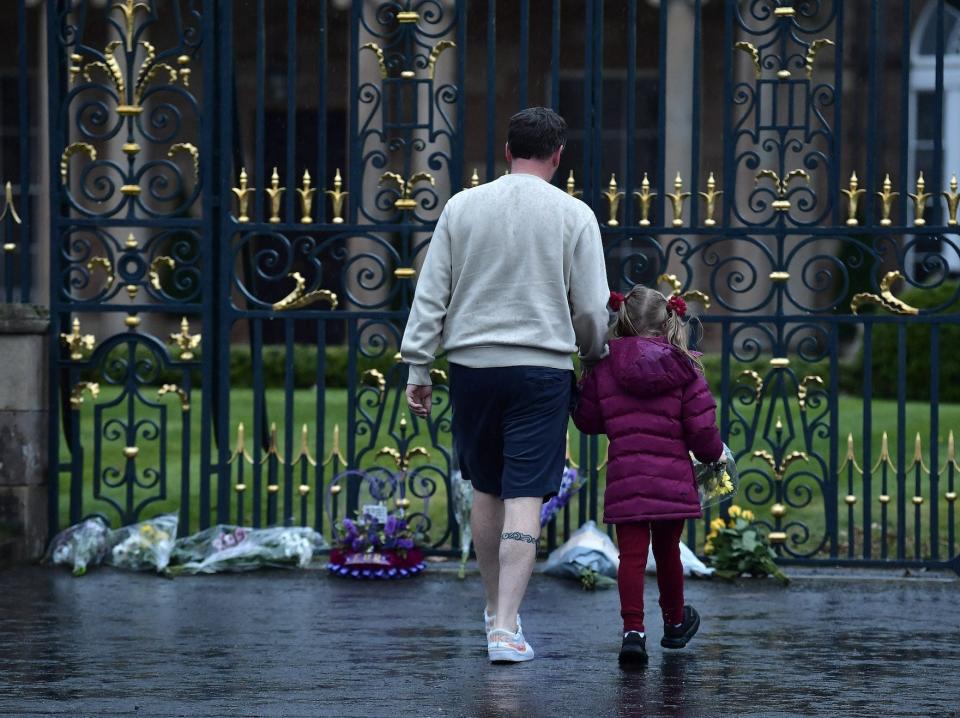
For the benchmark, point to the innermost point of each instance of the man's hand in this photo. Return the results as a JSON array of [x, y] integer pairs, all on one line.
[[420, 399]]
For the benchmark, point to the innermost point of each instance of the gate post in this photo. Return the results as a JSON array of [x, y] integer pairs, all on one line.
[[23, 432]]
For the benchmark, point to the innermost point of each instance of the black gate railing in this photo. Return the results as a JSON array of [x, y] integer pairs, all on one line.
[[243, 193]]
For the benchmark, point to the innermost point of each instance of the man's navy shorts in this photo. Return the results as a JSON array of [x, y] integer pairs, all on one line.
[[510, 427]]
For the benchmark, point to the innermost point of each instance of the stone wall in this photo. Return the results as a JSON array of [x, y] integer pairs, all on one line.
[[23, 432]]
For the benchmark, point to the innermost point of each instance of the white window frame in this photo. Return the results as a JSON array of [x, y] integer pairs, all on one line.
[[923, 78]]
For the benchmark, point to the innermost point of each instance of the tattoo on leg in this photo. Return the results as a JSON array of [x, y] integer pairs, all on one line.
[[517, 536]]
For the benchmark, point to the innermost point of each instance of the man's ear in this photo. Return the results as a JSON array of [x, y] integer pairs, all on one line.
[[506, 153], [555, 157]]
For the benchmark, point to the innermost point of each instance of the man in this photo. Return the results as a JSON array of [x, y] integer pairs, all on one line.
[[513, 283]]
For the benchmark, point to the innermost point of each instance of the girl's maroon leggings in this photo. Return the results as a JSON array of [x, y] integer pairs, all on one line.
[[634, 540]]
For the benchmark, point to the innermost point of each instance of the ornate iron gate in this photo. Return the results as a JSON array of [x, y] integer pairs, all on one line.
[[207, 168]]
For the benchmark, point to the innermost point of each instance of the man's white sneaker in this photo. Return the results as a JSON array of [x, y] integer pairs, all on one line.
[[506, 647], [489, 619]]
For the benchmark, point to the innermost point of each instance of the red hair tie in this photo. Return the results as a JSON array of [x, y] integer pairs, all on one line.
[[616, 301], [676, 305]]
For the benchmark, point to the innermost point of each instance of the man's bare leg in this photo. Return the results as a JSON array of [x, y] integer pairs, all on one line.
[[486, 519], [518, 552]]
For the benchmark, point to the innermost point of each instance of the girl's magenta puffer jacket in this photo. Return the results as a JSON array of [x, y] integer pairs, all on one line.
[[655, 407]]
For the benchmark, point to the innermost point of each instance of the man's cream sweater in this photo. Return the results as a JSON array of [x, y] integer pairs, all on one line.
[[514, 275]]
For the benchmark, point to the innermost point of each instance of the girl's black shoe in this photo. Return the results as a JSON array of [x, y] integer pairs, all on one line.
[[634, 648], [679, 636]]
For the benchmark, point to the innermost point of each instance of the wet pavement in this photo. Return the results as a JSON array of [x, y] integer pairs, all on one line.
[[304, 644]]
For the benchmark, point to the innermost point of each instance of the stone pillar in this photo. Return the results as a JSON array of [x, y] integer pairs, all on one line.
[[23, 432]]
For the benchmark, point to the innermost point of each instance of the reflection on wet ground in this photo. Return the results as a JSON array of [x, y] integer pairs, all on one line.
[[303, 644]]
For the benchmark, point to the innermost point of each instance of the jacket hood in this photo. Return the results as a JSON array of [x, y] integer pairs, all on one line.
[[649, 366]]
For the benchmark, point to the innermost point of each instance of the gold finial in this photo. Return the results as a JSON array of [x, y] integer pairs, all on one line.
[[782, 203], [405, 200], [77, 342], [335, 450], [919, 201], [475, 178], [337, 198], [613, 197], [304, 454], [8, 205], [677, 198], [185, 341], [240, 452], [275, 192], [572, 186], [710, 197], [403, 460], [646, 197], [886, 201], [952, 197], [853, 197], [306, 198], [569, 454], [242, 193]]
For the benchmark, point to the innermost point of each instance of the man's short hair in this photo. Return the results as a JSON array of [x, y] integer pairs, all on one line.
[[536, 133]]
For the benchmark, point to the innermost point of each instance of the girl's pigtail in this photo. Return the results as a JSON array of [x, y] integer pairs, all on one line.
[[677, 334]]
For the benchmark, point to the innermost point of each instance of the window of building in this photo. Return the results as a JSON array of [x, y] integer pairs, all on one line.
[[923, 107]]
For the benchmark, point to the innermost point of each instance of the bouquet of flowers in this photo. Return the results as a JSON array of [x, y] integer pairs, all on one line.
[[570, 485], [717, 481], [736, 547], [82, 545], [146, 545], [237, 548], [369, 548]]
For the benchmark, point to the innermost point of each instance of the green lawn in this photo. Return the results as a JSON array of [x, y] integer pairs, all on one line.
[[303, 411]]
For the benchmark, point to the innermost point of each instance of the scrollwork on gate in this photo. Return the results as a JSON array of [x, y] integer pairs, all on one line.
[[133, 99]]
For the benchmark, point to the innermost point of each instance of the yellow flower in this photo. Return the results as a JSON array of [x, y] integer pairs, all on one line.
[[734, 511], [713, 534], [717, 524], [147, 530], [708, 548], [747, 515], [726, 484]]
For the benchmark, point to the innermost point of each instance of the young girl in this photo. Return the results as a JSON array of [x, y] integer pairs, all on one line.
[[650, 398]]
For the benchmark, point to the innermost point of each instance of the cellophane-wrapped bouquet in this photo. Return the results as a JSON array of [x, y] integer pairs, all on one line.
[[80, 546], [225, 548], [146, 545], [718, 481]]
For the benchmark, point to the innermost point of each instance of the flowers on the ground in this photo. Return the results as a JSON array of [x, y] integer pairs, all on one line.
[[367, 534], [82, 545], [146, 545], [238, 548], [737, 547]]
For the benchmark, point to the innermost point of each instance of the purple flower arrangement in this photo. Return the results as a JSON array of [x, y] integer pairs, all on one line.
[[368, 548]]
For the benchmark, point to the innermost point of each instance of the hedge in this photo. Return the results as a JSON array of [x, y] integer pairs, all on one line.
[[919, 366]]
